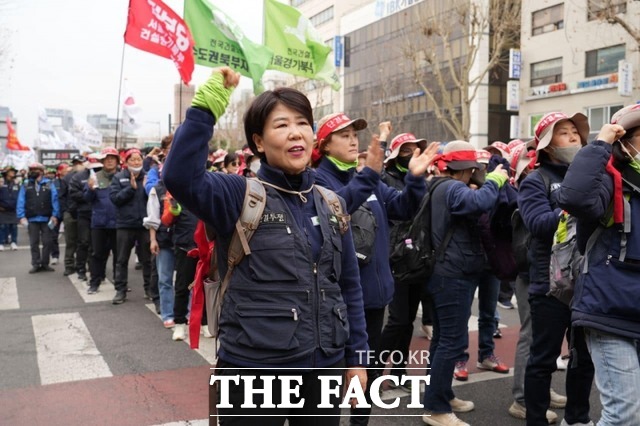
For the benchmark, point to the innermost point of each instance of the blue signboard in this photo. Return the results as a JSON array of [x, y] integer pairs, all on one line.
[[337, 50]]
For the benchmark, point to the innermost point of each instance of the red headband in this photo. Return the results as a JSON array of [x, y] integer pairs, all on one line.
[[443, 159]]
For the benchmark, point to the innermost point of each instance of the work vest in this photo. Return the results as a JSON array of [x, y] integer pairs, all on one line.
[[281, 304], [37, 200]]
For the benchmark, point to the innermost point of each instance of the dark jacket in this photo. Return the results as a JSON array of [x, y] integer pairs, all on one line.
[[131, 204], [66, 204], [608, 296], [76, 194], [540, 212], [184, 227], [385, 203], [394, 178], [455, 204], [103, 211], [285, 305], [8, 201]]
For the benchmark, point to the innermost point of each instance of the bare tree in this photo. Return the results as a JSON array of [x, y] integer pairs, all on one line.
[[449, 59], [611, 12]]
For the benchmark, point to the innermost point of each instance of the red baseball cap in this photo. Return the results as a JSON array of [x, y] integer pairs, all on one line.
[[402, 139], [334, 122]]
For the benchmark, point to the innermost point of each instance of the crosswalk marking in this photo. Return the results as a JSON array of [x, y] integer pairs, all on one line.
[[66, 351], [207, 346], [8, 294], [105, 293]]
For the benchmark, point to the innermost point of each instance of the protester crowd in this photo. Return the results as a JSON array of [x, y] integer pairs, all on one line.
[[304, 261]]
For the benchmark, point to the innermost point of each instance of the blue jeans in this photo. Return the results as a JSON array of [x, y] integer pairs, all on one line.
[[488, 290], [165, 262], [550, 320], [451, 305], [6, 230], [617, 363]]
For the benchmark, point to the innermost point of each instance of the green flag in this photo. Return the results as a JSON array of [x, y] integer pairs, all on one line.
[[219, 41], [297, 47]]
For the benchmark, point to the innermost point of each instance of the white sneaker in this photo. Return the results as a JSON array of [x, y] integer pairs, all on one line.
[[557, 400], [14, 246], [179, 332], [428, 331], [204, 330], [461, 406], [564, 423], [519, 412], [444, 419], [54, 260], [561, 363]]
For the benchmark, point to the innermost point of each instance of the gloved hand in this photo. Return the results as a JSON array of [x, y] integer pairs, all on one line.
[[499, 176], [215, 93]]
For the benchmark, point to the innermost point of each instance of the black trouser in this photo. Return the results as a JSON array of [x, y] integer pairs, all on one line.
[[398, 330], [550, 320], [70, 239], [55, 247], [374, 319], [83, 248], [39, 231], [310, 390], [103, 242], [125, 240], [185, 272]]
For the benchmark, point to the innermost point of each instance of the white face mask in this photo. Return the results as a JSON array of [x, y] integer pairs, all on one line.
[[135, 170], [255, 166], [635, 158]]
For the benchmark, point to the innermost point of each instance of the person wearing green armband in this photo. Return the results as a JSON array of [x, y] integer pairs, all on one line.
[[460, 261]]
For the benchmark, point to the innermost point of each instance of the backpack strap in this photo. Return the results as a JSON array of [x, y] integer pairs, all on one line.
[[255, 200], [332, 200]]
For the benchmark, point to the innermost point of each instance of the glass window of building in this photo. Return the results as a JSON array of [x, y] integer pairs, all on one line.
[[604, 61], [598, 8], [547, 72], [598, 116], [296, 3], [546, 20], [322, 17]]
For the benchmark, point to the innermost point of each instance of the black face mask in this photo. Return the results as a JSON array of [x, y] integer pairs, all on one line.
[[34, 175], [403, 161]]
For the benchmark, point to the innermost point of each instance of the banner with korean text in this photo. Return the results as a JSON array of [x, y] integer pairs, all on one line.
[[220, 41], [154, 27], [297, 47]]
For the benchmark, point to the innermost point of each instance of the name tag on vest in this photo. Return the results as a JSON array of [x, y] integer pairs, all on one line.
[[273, 218], [124, 180], [315, 221]]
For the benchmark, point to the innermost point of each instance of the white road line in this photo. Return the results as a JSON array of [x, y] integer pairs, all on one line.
[[207, 346], [66, 351], [8, 294], [106, 291], [202, 422]]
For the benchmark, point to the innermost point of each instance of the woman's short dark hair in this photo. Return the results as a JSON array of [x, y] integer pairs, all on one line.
[[230, 158], [256, 116], [166, 141]]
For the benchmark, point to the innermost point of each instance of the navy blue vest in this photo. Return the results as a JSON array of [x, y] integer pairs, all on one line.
[[280, 289], [37, 202]]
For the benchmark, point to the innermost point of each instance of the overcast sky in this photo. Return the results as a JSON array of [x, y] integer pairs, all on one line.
[[67, 54]]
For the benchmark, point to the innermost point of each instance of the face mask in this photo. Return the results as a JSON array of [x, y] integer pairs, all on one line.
[[635, 158], [403, 161], [565, 155], [34, 175], [135, 170], [255, 166]]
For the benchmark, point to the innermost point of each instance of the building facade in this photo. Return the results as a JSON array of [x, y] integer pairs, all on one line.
[[574, 62]]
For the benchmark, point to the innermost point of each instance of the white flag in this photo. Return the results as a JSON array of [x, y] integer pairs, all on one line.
[[130, 113]]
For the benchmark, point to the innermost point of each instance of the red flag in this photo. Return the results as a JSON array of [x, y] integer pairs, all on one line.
[[153, 27], [12, 139]]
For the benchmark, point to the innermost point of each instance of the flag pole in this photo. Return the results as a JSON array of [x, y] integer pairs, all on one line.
[[115, 142]]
